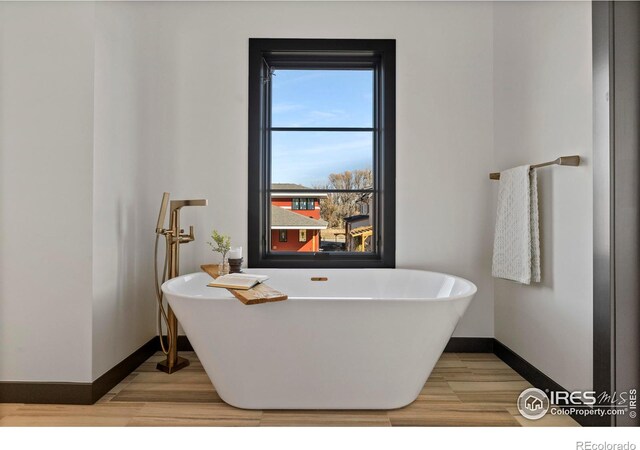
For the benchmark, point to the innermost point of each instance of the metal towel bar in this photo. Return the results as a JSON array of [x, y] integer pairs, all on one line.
[[562, 161]]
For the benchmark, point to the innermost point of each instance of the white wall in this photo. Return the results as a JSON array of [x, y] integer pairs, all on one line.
[[46, 137], [171, 115], [193, 107], [168, 112], [171, 106], [542, 109], [123, 298]]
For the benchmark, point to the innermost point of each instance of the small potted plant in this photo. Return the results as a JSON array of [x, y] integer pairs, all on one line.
[[221, 244]]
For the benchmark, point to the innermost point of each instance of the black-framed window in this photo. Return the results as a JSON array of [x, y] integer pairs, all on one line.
[[282, 235], [303, 204], [354, 154]]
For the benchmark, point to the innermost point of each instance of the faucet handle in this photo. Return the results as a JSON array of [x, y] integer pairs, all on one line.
[[184, 238]]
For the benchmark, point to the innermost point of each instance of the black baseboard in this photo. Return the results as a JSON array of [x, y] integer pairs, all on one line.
[[469, 345], [537, 378], [49, 393], [76, 393], [114, 376], [184, 345]]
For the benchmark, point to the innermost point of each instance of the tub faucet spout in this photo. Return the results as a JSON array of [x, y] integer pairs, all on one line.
[[177, 204]]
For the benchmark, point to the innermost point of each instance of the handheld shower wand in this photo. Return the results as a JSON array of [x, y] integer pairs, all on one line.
[[174, 236]]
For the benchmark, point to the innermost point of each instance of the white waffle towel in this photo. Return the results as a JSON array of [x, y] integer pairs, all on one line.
[[516, 245]]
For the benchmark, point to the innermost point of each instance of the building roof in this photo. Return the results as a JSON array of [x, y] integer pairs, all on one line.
[[293, 190], [356, 217], [288, 186], [283, 219]]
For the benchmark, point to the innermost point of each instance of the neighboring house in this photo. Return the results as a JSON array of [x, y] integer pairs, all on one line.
[[295, 219], [358, 229]]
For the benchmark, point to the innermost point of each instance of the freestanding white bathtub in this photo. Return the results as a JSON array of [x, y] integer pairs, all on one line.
[[363, 339]]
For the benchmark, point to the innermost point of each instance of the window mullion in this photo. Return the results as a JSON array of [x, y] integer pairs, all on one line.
[[327, 129]]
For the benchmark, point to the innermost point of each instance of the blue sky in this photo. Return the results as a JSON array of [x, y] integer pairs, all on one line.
[[320, 98]]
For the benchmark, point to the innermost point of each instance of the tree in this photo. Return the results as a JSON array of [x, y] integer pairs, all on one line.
[[339, 205]]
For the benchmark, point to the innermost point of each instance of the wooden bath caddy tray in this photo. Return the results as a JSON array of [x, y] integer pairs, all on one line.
[[260, 293]]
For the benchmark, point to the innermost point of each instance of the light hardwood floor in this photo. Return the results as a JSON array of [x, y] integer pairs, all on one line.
[[465, 389]]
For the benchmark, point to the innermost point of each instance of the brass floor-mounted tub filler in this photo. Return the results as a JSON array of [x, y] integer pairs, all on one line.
[[174, 236]]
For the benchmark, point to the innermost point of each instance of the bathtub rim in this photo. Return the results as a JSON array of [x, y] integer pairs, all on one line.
[[473, 289]]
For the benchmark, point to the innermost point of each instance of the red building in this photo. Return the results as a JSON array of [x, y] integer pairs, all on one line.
[[295, 219]]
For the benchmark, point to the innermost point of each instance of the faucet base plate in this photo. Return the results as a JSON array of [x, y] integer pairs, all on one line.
[[181, 363]]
